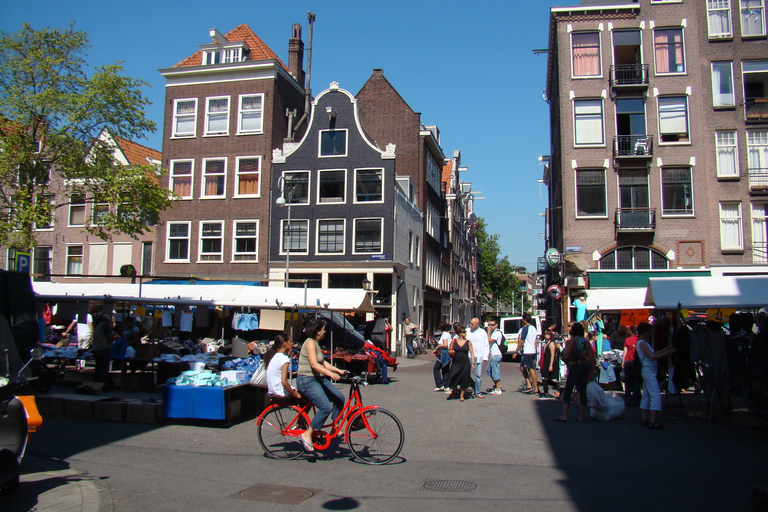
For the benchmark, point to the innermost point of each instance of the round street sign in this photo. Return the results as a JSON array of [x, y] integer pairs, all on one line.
[[555, 292], [553, 257]]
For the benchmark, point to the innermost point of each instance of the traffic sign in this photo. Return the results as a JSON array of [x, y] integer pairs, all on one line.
[[23, 262]]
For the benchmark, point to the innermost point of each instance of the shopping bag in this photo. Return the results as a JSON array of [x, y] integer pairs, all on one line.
[[607, 375], [259, 378]]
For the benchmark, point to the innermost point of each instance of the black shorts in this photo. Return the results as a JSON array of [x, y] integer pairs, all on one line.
[[529, 361]]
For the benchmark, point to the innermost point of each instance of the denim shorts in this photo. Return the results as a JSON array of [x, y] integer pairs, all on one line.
[[529, 361], [493, 367]]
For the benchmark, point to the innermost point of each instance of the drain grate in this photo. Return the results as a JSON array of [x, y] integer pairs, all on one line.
[[449, 486], [271, 493]]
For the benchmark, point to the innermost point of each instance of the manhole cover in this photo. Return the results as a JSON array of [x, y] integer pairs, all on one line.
[[449, 486], [276, 494]]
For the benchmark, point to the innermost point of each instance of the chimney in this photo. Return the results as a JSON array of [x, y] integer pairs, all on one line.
[[296, 55]]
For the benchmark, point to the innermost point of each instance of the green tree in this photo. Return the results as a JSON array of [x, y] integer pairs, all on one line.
[[498, 282], [51, 114]]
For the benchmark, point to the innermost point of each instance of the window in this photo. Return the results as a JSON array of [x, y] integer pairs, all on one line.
[[333, 142], [296, 187], [755, 78], [673, 119], [416, 252], [722, 84], [211, 241], [752, 18], [74, 260], [760, 233], [250, 116], [245, 242], [757, 158], [368, 185], [214, 172], [719, 18], [410, 246], [588, 122], [727, 150], [590, 193], [248, 176], [330, 236], [212, 57], [668, 43], [434, 172], [146, 258], [731, 236], [676, 191], [585, 48], [368, 235], [42, 263], [295, 236], [181, 178], [100, 213], [178, 242], [77, 210], [217, 116], [633, 258], [231, 55], [50, 199], [184, 118], [331, 186]]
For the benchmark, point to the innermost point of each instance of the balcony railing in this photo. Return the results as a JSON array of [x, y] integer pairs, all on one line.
[[758, 180], [756, 110], [629, 75], [760, 252], [633, 146], [635, 219]]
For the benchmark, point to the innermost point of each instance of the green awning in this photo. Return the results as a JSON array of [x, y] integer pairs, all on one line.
[[636, 278]]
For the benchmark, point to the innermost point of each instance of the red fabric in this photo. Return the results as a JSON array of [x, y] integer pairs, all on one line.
[[47, 314], [631, 345]]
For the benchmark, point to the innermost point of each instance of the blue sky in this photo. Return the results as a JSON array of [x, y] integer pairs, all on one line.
[[467, 67]]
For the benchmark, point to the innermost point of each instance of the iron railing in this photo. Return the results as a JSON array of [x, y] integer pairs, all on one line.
[[623, 75], [635, 219], [758, 179], [633, 146], [756, 110]]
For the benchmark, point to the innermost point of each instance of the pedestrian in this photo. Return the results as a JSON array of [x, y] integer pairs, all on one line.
[[631, 366], [495, 340], [618, 338], [651, 400], [580, 357], [463, 363], [481, 349], [409, 331], [526, 345], [442, 366], [550, 364], [101, 345]]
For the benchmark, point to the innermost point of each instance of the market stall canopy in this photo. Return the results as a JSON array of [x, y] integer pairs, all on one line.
[[707, 292], [338, 299], [614, 299]]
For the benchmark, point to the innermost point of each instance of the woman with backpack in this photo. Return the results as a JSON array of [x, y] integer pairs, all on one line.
[[580, 358]]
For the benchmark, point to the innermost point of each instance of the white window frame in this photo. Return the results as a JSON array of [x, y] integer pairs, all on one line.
[[51, 198], [204, 175], [300, 201], [183, 135], [354, 235], [588, 117], [759, 212], [692, 213], [599, 55], [354, 196], [171, 176], [70, 256], [735, 220], [576, 195], [283, 226], [666, 1], [72, 206], [96, 210], [256, 112], [685, 60], [320, 143], [762, 16], [416, 251], [343, 250], [720, 6], [715, 93], [210, 257], [320, 183], [732, 147], [757, 157], [239, 173], [236, 237], [168, 239], [209, 115], [687, 121]]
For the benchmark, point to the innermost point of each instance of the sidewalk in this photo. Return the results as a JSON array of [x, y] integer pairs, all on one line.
[[55, 486]]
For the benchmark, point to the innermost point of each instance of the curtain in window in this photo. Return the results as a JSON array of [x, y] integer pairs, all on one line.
[[722, 84], [586, 54], [757, 156], [673, 117], [669, 51], [759, 233], [182, 186], [719, 15], [589, 121], [726, 154], [248, 184], [752, 18], [730, 226]]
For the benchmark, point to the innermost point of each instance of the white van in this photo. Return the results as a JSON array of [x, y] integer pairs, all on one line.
[[511, 327]]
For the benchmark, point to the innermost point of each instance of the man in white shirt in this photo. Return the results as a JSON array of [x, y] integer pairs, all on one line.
[[527, 340], [479, 339], [495, 340]]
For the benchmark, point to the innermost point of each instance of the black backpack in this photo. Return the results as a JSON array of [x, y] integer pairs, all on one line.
[[503, 344]]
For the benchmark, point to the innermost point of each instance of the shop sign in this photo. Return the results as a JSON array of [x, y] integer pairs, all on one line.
[[553, 257], [633, 316]]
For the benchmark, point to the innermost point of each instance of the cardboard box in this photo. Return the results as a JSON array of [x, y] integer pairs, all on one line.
[[234, 409], [90, 388], [233, 376], [80, 406], [50, 405], [146, 351], [109, 410], [140, 412], [73, 376], [139, 381]]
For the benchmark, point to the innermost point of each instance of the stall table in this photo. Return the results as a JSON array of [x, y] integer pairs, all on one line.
[[211, 403]]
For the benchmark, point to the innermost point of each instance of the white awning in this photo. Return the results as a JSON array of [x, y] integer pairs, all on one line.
[[707, 292], [611, 299]]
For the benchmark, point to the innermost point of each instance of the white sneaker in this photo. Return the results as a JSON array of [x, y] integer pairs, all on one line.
[[439, 389], [448, 391], [495, 392]]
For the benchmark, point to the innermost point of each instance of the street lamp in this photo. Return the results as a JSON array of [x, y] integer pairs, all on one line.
[[281, 184]]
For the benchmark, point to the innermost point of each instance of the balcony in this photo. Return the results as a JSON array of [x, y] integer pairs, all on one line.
[[635, 220], [756, 110], [629, 76], [758, 180], [633, 146]]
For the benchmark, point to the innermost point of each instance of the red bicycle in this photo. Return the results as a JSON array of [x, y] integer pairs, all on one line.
[[373, 435]]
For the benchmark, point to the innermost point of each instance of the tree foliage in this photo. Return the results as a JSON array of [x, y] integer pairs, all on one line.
[[51, 115], [499, 285]]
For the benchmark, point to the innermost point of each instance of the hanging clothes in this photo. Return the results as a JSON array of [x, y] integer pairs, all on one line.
[[167, 318], [185, 322], [201, 316]]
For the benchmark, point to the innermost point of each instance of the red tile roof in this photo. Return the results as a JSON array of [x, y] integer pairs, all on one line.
[[259, 50], [446, 177], [136, 153]]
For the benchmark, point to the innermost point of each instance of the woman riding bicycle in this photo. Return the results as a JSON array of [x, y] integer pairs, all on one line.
[[314, 381]]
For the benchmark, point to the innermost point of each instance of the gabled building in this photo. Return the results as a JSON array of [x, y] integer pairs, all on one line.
[[345, 217], [227, 106]]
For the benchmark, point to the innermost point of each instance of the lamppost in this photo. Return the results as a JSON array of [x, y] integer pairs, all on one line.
[[281, 184]]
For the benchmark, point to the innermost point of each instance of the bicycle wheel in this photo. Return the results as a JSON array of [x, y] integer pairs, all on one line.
[[375, 436], [279, 432]]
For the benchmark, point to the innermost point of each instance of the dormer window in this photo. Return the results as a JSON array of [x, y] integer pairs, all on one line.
[[232, 55], [224, 53]]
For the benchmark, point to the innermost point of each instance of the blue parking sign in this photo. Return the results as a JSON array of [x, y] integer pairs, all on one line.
[[23, 262]]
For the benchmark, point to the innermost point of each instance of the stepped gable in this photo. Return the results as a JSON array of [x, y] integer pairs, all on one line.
[[259, 49]]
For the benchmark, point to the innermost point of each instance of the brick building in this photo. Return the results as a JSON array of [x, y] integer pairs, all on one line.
[[659, 140]]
